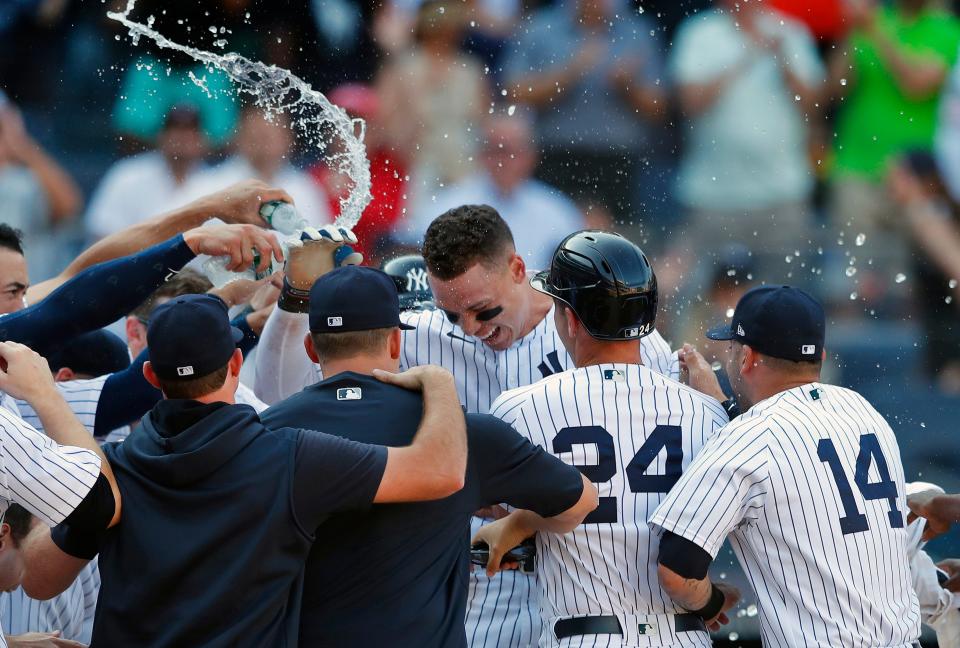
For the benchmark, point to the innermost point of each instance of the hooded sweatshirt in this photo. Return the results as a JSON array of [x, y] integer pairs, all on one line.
[[218, 517]]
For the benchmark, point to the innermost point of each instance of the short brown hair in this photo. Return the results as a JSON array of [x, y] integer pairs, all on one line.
[[337, 346], [194, 388], [185, 282], [464, 236]]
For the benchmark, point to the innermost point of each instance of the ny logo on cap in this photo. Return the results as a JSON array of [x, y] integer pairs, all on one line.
[[808, 349], [417, 279], [634, 332], [334, 321], [185, 371], [740, 330]]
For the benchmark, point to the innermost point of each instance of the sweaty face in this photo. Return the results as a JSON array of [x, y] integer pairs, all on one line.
[[485, 303], [13, 281]]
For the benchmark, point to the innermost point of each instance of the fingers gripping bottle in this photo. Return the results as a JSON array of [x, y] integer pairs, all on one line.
[[282, 217]]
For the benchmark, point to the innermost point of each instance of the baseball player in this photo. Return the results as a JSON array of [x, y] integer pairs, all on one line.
[[629, 429], [491, 330], [807, 484]]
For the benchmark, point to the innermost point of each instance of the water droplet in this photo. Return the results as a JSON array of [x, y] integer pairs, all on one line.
[[861, 238], [751, 610], [442, 10], [512, 109], [503, 93], [734, 636], [788, 258], [796, 97], [843, 82], [953, 283], [948, 299], [212, 29], [900, 278], [741, 613], [729, 312], [850, 271], [731, 272], [715, 366], [853, 295], [922, 424]]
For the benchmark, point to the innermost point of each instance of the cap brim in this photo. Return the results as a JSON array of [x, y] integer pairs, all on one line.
[[406, 327], [236, 333], [721, 332]]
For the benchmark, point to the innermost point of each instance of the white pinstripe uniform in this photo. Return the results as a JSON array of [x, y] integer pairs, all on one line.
[[631, 431], [810, 488], [70, 612], [502, 611], [48, 480], [82, 396]]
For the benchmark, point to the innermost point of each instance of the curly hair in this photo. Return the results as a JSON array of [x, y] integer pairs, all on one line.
[[464, 236]]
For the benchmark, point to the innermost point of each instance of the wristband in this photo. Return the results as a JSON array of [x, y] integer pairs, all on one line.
[[293, 300], [731, 407], [713, 606]]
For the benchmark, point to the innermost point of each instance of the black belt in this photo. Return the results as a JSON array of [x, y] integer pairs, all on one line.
[[611, 625]]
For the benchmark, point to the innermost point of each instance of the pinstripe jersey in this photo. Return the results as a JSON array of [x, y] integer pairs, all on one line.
[[810, 488], [48, 480], [482, 373], [631, 431], [501, 611], [82, 396]]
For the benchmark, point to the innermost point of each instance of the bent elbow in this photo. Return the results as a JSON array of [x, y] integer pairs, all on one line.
[[449, 484]]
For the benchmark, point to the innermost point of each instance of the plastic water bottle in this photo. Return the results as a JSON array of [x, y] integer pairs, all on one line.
[[282, 218]]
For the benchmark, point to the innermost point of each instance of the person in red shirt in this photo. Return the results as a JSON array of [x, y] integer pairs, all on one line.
[[387, 176]]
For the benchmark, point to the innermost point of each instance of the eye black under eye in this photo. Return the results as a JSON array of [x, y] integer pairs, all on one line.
[[453, 317], [489, 314]]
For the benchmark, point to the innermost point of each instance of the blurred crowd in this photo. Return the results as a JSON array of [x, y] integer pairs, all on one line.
[[739, 142]]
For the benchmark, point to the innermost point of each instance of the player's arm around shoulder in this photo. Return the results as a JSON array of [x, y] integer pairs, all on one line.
[[434, 465]]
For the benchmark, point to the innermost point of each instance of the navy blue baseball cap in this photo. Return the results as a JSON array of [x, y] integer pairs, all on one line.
[[354, 298], [778, 321], [191, 336]]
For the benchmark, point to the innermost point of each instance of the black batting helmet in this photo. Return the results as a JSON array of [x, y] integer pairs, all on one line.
[[410, 274], [607, 281]]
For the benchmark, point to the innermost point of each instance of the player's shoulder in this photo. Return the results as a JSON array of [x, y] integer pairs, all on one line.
[[691, 397], [82, 385]]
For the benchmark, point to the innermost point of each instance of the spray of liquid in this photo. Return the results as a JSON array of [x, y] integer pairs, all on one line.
[[276, 90]]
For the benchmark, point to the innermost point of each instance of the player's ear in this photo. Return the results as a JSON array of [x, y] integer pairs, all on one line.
[[150, 375], [518, 268], [310, 349], [236, 362], [572, 322], [395, 343], [64, 374], [748, 359], [135, 329]]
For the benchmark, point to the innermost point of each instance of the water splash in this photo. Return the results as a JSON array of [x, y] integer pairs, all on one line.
[[276, 90]]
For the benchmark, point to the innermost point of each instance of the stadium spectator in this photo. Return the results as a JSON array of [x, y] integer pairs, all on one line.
[[37, 193], [748, 80], [387, 174], [139, 186], [593, 71], [436, 96], [891, 70], [539, 215], [263, 149], [932, 221]]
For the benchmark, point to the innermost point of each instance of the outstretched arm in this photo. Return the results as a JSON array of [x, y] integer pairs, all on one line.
[[237, 204], [103, 293]]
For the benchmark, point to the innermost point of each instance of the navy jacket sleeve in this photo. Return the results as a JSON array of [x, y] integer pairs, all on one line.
[[126, 396], [514, 471], [250, 339], [96, 297]]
